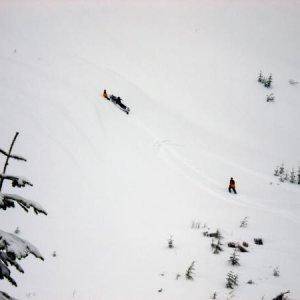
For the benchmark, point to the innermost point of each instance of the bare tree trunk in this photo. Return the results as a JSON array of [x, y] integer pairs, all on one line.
[[7, 158]]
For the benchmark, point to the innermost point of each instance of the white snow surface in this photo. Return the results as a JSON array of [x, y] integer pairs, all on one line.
[[116, 186]]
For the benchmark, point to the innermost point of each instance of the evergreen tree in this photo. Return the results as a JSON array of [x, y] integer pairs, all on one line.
[[276, 272], [281, 296], [292, 176], [270, 97], [170, 242], [189, 274], [231, 280], [260, 77], [281, 169], [12, 247], [216, 247], [268, 81], [234, 259], [244, 223], [276, 171]]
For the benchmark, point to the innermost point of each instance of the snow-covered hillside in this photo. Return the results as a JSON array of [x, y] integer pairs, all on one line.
[[116, 186]]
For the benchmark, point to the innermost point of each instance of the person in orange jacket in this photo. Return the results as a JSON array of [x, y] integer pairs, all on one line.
[[105, 95], [231, 185]]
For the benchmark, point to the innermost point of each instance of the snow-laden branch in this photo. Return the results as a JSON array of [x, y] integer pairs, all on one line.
[[18, 181], [7, 200], [4, 296], [17, 247], [14, 156], [5, 273], [12, 248]]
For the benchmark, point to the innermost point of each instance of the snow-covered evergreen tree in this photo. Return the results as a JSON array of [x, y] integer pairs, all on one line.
[[170, 242], [234, 259], [231, 280], [276, 171], [189, 274], [268, 81], [216, 247], [292, 176], [12, 247], [244, 223], [270, 97], [260, 77], [281, 169], [276, 272], [281, 296]]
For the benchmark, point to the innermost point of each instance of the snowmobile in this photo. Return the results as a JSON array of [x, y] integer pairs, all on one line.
[[118, 102]]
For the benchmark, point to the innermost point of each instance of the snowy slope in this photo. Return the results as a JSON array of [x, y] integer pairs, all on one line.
[[117, 186]]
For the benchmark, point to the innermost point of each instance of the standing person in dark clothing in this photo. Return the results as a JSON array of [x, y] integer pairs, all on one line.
[[231, 186]]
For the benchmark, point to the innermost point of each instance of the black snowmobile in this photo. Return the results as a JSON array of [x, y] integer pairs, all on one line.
[[118, 102]]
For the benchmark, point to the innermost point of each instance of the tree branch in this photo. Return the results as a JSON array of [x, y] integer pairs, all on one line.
[[7, 158], [6, 200], [16, 180]]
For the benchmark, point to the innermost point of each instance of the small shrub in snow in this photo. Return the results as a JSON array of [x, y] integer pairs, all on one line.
[[54, 254], [286, 175], [260, 78], [276, 171], [276, 272], [160, 290], [197, 225], [258, 241], [170, 242], [30, 294], [268, 81], [17, 230], [214, 295], [281, 169], [244, 223], [270, 97], [234, 259], [178, 276], [250, 281], [283, 177], [216, 246], [292, 176], [231, 280], [189, 274]]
